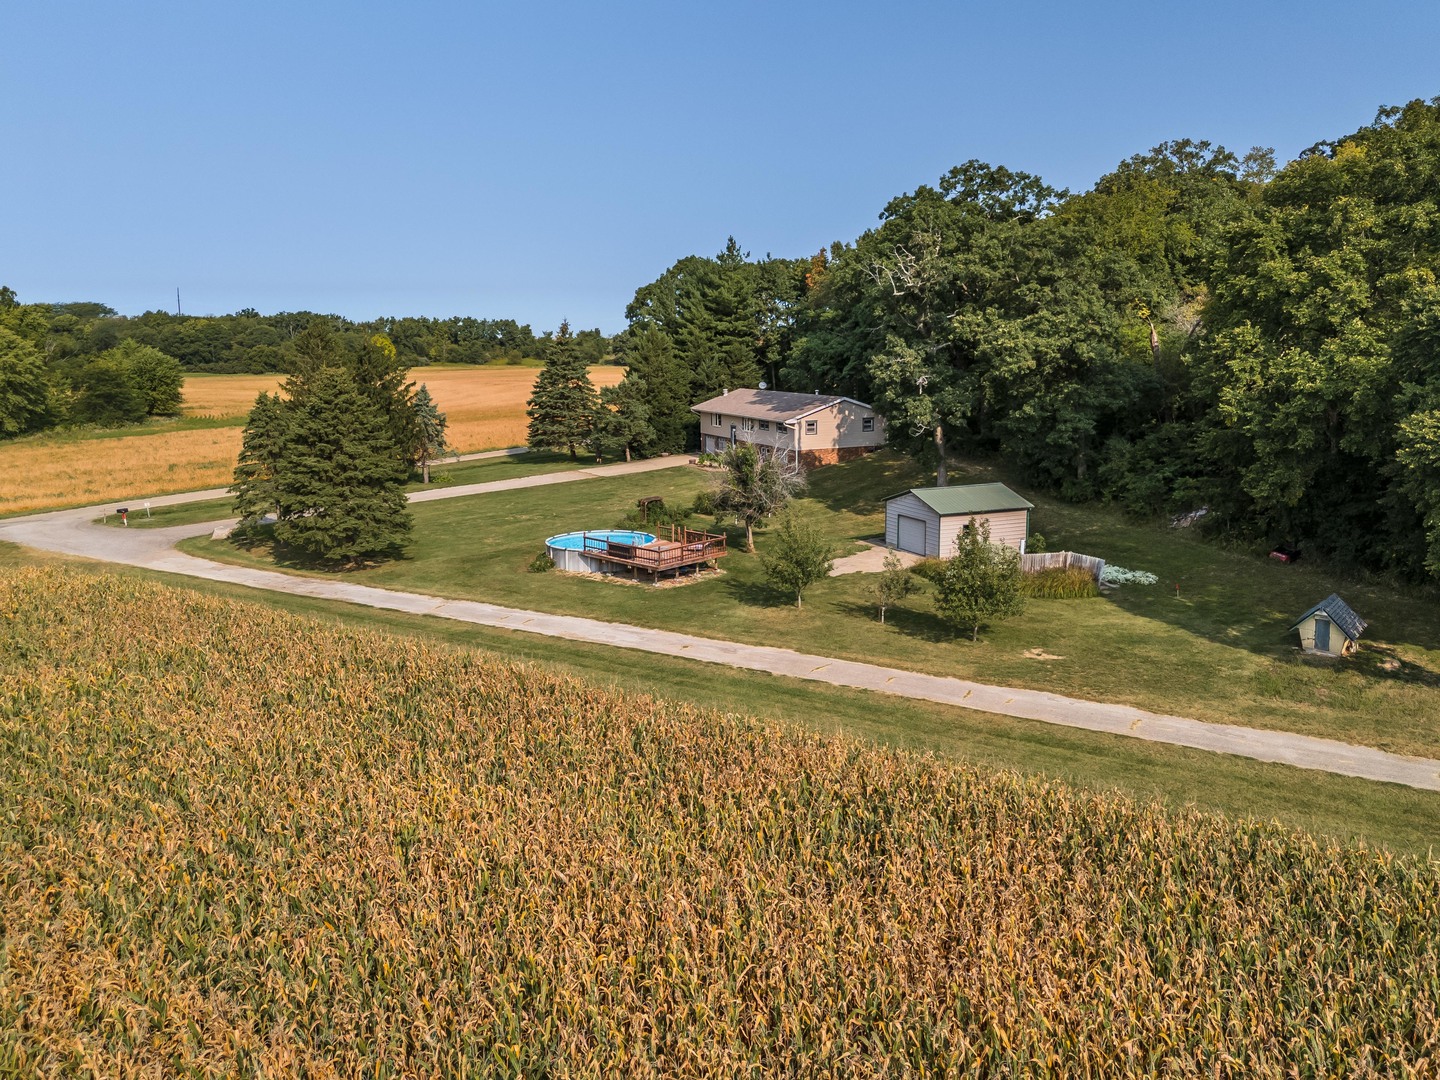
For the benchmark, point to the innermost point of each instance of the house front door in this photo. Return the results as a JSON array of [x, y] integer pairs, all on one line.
[[1322, 635]]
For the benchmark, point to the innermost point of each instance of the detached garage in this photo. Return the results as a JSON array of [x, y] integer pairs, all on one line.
[[926, 521]]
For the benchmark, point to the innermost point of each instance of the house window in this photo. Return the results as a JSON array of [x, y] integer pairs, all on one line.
[[764, 425], [717, 420], [749, 425], [811, 427], [867, 424], [784, 429]]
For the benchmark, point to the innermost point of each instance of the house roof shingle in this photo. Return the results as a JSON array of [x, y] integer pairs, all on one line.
[[1339, 613], [778, 405], [969, 499]]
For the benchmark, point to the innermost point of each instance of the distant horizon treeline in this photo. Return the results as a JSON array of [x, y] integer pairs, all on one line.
[[248, 342], [1198, 329]]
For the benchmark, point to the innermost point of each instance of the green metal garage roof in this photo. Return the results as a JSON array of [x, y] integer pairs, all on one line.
[[969, 499]]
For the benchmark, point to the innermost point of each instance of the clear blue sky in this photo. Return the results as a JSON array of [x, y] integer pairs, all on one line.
[[537, 161]]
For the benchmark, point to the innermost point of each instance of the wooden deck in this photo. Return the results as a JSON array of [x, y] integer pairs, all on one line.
[[683, 548]]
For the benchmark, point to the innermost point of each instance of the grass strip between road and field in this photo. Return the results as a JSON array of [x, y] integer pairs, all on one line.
[[1401, 819]]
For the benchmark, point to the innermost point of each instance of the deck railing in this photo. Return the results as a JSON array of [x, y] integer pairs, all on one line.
[[684, 547]]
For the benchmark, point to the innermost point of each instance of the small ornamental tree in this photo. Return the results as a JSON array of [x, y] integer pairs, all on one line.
[[430, 424], [980, 583], [753, 485], [563, 402], [893, 584], [799, 555], [262, 452], [339, 487]]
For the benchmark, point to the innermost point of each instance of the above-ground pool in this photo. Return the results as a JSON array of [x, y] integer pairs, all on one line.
[[569, 549]]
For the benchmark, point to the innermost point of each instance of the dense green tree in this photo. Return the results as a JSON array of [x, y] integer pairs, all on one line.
[[430, 424], [622, 422], [798, 556], [264, 447], [752, 486], [1310, 397], [563, 401], [651, 360], [980, 582], [339, 483], [106, 395], [158, 377], [24, 386], [728, 317]]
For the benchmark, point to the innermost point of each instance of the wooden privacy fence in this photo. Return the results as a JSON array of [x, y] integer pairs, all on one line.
[[1061, 560]]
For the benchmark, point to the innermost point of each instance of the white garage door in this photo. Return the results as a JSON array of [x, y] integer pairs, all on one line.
[[910, 534]]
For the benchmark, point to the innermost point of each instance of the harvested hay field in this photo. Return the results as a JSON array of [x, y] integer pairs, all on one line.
[[485, 407], [46, 472], [244, 842]]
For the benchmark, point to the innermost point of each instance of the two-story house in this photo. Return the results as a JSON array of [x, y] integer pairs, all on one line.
[[814, 429]]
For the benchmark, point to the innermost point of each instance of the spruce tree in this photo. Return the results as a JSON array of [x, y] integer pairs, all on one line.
[[651, 357], [262, 453], [430, 424], [340, 483], [563, 402]]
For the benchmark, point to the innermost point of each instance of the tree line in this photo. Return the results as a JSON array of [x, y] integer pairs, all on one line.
[[1198, 329]]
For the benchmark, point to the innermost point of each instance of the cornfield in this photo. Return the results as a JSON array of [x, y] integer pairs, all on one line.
[[236, 841]]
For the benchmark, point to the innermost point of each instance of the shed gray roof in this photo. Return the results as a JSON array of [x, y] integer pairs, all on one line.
[[778, 405], [968, 499], [1339, 613]]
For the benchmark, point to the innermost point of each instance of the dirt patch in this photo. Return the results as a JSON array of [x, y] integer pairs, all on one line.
[[1040, 654], [666, 583]]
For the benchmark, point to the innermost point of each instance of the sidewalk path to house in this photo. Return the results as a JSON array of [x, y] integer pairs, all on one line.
[[75, 532]]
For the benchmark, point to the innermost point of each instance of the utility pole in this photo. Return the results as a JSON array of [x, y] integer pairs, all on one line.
[[177, 299]]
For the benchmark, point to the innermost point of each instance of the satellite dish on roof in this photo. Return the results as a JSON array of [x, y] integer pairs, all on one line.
[[764, 387]]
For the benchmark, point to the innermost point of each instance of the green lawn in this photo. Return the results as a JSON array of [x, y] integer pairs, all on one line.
[[483, 471], [1402, 819], [1220, 652]]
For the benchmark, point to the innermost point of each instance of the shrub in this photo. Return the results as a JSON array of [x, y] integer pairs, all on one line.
[[1060, 583], [704, 503], [1035, 544], [541, 563], [929, 568], [1118, 575]]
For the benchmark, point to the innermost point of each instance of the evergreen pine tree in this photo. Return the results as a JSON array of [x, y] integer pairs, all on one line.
[[563, 402], [430, 424], [651, 357], [262, 453], [340, 483]]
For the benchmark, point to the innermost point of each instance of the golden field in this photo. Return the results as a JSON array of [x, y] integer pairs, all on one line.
[[242, 842], [485, 407]]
